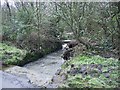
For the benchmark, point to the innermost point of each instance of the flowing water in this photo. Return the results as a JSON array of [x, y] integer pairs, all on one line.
[[46, 67], [39, 72]]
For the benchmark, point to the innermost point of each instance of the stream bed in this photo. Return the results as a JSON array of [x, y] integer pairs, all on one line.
[[38, 73]]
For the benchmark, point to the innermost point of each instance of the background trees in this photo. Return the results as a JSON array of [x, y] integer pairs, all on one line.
[[92, 20], [25, 23]]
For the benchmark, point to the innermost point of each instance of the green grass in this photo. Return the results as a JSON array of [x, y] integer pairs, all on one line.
[[100, 81], [11, 54]]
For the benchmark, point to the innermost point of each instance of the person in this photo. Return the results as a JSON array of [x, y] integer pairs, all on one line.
[[67, 54], [68, 49]]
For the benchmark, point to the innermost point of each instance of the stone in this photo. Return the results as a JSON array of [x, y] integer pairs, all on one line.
[[107, 75], [73, 71], [83, 69], [64, 76], [58, 72]]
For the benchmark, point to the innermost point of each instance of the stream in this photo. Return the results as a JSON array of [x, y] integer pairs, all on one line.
[[35, 74]]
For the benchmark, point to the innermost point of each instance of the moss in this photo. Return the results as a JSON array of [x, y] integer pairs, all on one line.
[[11, 54], [107, 79]]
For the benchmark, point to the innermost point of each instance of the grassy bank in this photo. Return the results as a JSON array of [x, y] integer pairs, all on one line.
[[11, 55], [91, 71]]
